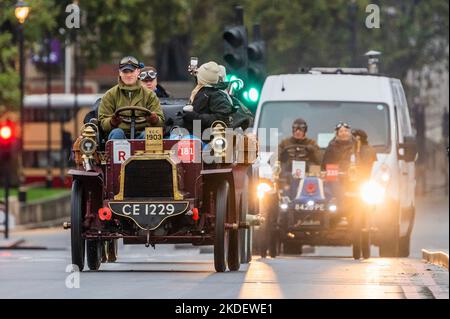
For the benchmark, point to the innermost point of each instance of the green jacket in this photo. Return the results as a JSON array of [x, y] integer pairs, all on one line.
[[122, 95]]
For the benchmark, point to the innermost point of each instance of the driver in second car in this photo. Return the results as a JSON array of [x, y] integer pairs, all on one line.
[[128, 92]]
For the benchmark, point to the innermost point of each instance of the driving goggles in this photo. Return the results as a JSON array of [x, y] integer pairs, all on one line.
[[302, 127], [343, 124], [148, 75], [129, 60]]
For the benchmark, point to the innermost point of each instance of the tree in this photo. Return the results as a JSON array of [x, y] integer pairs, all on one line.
[[318, 33], [40, 19]]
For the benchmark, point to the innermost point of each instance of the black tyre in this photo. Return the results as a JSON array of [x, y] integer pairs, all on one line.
[[292, 248], [94, 250], [365, 244], [274, 241], [249, 244], [356, 244], [113, 249], [76, 229], [105, 252], [263, 240], [267, 237], [255, 240], [358, 223], [234, 258], [404, 246], [222, 238], [245, 253]]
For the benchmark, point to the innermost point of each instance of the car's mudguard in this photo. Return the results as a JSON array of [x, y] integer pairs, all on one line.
[[214, 176], [84, 176]]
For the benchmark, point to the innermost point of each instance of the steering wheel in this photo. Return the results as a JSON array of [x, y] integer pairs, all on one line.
[[127, 118]]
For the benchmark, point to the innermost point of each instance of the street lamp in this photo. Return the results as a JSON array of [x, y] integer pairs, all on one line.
[[22, 9]]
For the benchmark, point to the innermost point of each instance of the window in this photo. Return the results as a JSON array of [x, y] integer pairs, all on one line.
[[322, 118]]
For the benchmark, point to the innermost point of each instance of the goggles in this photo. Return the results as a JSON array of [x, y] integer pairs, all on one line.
[[148, 76], [343, 124], [302, 127], [129, 60]]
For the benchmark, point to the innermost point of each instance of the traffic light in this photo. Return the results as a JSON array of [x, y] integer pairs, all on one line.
[[257, 62], [8, 139], [235, 50]]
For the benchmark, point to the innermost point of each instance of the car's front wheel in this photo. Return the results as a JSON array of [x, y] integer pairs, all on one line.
[[222, 235], [76, 229], [94, 250], [113, 248]]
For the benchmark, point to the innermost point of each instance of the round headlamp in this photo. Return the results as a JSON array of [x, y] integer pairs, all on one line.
[[88, 146], [219, 145]]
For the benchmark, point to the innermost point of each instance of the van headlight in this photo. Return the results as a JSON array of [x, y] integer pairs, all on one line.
[[262, 189], [372, 192]]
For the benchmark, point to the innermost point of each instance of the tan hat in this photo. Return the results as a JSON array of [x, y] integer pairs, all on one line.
[[222, 73], [208, 73]]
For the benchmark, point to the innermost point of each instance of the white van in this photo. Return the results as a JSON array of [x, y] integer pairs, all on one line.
[[374, 103]]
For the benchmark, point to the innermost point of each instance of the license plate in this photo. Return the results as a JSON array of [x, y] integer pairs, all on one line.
[[316, 207], [148, 216]]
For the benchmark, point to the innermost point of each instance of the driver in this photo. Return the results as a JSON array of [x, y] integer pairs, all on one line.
[[298, 147], [128, 92]]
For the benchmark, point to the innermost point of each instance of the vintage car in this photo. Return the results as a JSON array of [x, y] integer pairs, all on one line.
[[161, 190], [325, 96], [319, 208]]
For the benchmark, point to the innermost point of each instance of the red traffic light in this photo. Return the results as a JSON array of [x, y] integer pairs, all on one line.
[[7, 132]]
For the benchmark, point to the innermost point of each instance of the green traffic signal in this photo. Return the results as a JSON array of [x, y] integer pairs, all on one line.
[[253, 95]]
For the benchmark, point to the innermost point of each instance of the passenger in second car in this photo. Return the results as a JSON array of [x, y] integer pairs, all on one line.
[[341, 148], [209, 104]]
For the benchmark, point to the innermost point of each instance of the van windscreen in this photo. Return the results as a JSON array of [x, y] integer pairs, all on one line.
[[322, 117]]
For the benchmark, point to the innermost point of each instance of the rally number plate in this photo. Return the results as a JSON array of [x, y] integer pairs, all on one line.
[[148, 216], [318, 207]]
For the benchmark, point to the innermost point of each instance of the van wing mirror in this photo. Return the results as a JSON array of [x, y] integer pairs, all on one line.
[[408, 149]]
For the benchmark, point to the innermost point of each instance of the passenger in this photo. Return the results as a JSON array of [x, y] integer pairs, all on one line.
[[367, 154], [128, 92], [149, 78], [209, 103], [298, 147], [242, 118], [340, 148]]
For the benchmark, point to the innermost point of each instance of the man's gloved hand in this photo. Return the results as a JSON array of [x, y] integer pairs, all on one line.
[[115, 120], [190, 116], [152, 118]]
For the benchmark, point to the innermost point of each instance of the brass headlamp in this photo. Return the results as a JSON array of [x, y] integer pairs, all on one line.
[[219, 143], [88, 145]]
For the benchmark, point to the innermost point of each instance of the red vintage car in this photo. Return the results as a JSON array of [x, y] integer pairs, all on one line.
[[160, 191]]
